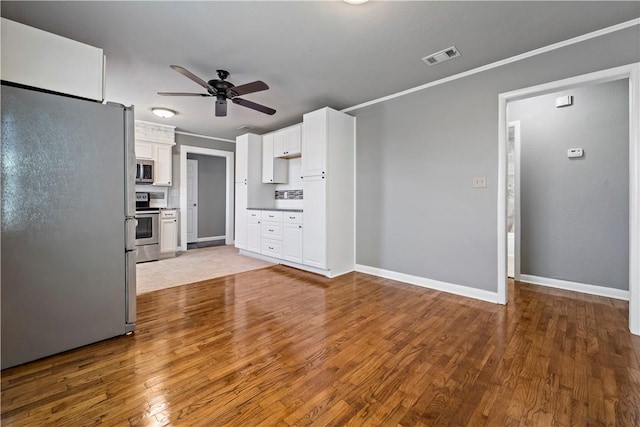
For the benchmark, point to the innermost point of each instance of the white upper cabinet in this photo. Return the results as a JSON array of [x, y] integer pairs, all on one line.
[[163, 168], [287, 142], [155, 142], [36, 58], [274, 171], [314, 143]]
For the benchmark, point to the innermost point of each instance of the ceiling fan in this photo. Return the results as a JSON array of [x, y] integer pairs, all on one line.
[[223, 90]]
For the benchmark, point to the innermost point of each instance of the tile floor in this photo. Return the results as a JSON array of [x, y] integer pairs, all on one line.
[[193, 265]]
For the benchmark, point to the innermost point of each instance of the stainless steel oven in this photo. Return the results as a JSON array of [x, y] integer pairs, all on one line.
[[147, 232]]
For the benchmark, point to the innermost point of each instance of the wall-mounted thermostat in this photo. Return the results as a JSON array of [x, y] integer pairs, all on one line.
[[564, 101], [573, 153]]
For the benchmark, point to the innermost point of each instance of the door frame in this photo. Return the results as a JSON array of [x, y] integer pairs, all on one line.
[[630, 72], [516, 197], [197, 204], [230, 173]]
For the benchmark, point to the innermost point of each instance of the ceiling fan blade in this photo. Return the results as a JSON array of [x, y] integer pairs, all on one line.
[[256, 86], [254, 106], [188, 74], [221, 108], [182, 94]]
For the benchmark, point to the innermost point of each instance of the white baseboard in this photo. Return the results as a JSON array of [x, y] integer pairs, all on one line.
[[210, 239], [576, 287], [451, 288]]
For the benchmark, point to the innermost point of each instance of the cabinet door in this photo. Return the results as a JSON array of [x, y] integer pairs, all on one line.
[[314, 222], [168, 235], [254, 230], [242, 158], [294, 138], [292, 243], [314, 143], [241, 215], [163, 169], [267, 158], [144, 150], [279, 143]]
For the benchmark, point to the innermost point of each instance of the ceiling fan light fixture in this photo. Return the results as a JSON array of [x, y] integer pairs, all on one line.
[[164, 113], [355, 2]]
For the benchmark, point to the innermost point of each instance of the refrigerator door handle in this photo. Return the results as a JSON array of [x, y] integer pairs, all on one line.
[[130, 233]]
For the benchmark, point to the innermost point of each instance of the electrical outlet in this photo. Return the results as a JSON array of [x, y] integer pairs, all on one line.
[[479, 182]]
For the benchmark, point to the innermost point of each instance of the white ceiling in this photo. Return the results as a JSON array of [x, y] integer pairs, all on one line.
[[311, 53]]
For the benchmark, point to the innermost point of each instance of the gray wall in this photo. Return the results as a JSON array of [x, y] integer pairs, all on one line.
[[212, 195], [575, 212], [416, 155]]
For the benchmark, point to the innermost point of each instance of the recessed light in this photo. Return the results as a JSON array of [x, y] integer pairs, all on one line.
[[355, 1], [165, 113]]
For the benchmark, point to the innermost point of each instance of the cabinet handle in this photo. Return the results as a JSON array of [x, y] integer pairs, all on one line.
[[292, 217], [271, 230], [169, 183], [299, 226], [270, 247]]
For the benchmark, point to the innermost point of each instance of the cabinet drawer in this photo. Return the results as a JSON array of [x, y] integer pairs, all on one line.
[[272, 216], [272, 248], [251, 214], [272, 230], [292, 217]]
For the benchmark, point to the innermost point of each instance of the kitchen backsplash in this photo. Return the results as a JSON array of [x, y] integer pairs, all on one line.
[[288, 194]]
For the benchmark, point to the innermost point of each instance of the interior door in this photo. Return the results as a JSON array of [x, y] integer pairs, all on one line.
[[192, 201]]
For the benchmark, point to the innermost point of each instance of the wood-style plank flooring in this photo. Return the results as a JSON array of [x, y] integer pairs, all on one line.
[[279, 347]]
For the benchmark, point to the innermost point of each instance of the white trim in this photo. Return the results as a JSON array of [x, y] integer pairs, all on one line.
[[230, 164], [156, 124], [585, 288], [544, 49], [204, 136], [631, 72], [516, 236], [451, 288], [210, 239]]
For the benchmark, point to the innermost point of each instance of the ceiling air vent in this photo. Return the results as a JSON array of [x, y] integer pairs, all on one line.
[[443, 55]]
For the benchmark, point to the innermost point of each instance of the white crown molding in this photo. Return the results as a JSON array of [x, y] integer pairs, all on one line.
[[576, 287], [204, 136], [535, 52], [451, 288]]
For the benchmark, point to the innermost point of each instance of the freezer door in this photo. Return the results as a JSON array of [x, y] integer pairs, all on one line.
[[131, 290]]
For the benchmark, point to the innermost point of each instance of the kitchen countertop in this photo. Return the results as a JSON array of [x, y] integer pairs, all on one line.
[[275, 209]]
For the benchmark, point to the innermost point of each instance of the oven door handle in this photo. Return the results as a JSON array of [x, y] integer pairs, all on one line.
[[130, 233]]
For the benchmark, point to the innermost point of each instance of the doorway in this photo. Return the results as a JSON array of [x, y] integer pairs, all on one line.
[[228, 157], [192, 201], [630, 73]]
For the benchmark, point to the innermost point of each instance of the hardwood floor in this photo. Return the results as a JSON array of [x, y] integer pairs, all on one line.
[[279, 346]]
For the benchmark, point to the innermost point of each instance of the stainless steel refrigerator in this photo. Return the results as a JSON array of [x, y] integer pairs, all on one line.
[[68, 230]]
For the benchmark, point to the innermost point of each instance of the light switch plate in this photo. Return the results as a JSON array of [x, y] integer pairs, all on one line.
[[479, 182]]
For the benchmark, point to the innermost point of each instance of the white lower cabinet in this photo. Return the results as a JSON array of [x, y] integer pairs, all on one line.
[[292, 243], [272, 248], [277, 234], [168, 232], [315, 222], [254, 234]]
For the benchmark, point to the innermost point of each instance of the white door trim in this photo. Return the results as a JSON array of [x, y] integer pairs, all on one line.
[[230, 173], [630, 72], [516, 231]]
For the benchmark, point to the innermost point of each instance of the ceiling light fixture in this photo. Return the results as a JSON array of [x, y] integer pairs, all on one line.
[[165, 113], [355, 1]]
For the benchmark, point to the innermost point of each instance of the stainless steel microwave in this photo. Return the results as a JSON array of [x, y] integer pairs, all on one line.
[[144, 171]]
